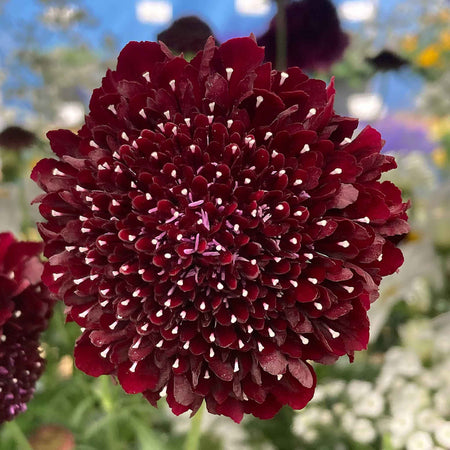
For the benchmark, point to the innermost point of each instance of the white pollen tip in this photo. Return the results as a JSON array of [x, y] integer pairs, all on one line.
[[172, 85], [259, 100], [344, 244], [283, 77], [229, 71]]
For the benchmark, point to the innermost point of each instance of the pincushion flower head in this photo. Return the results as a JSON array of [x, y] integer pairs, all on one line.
[[25, 307], [212, 228]]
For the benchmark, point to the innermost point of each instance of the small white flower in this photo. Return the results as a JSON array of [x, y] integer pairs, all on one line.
[[370, 405], [442, 434], [363, 431], [420, 440], [402, 424], [357, 389]]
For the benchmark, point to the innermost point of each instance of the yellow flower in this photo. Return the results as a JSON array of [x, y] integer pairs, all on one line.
[[409, 42], [439, 156], [428, 57], [445, 39]]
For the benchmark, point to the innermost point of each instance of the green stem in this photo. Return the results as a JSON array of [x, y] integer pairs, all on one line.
[[107, 400], [281, 36], [17, 434], [193, 437]]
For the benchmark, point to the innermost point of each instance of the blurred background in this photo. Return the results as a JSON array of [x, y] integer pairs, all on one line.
[[391, 63]]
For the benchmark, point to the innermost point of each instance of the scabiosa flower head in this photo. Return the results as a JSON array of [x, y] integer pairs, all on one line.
[[315, 39], [212, 228], [25, 307]]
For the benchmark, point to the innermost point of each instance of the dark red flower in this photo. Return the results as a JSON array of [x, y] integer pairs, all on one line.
[[315, 39], [186, 35], [213, 226], [16, 138], [25, 308]]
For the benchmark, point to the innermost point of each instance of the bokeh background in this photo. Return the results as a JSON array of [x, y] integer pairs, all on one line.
[[394, 74]]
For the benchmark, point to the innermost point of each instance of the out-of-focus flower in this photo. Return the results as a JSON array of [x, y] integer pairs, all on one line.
[[52, 437], [213, 226], [16, 138], [442, 434], [314, 36], [428, 57], [363, 431], [357, 10], [25, 308], [420, 440], [366, 105], [445, 39], [405, 134], [71, 114], [186, 35], [387, 60], [409, 43], [156, 12]]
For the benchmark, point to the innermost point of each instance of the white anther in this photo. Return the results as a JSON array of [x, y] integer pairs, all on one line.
[[167, 114], [311, 112], [176, 364], [146, 75], [304, 340], [294, 283], [305, 149], [229, 71], [233, 318], [322, 223], [298, 182], [283, 77], [260, 347], [313, 280], [336, 171], [172, 85], [259, 100], [271, 332], [57, 172], [344, 244], [124, 136], [133, 367], [318, 306]]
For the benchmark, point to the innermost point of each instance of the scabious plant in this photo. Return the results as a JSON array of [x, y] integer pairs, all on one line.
[[213, 227], [25, 308]]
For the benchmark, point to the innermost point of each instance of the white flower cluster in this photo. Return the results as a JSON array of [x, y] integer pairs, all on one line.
[[406, 407]]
